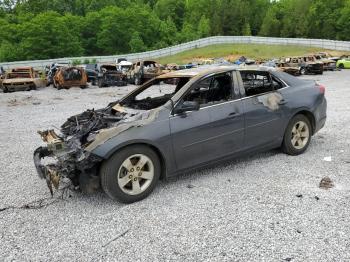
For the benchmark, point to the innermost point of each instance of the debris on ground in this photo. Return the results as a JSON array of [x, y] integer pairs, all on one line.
[[328, 159], [37, 204], [326, 183], [117, 237]]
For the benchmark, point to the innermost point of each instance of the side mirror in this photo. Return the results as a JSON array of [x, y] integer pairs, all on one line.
[[187, 106]]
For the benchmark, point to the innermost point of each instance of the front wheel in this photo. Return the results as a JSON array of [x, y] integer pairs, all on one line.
[[341, 66], [297, 136], [130, 174], [303, 71]]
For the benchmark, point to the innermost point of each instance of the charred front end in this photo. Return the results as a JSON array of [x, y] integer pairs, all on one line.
[[65, 154]]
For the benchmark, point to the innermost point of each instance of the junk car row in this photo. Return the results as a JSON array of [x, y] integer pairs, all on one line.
[[123, 72]]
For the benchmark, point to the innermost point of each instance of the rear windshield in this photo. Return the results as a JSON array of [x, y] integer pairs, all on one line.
[[289, 79]]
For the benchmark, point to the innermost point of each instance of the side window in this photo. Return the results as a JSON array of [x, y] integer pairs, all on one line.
[[256, 82], [276, 83], [211, 90]]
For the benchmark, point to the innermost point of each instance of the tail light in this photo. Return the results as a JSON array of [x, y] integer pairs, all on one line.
[[322, 88]]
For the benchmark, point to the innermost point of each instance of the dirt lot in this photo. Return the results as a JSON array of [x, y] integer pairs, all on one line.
[[266, 207]]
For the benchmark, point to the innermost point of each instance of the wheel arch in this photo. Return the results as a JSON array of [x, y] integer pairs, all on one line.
[[310, 116], [156, 149]]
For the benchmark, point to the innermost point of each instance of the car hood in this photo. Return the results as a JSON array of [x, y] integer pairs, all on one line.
[[89, 129]]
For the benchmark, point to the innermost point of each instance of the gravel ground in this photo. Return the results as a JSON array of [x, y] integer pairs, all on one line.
[[245, 210]]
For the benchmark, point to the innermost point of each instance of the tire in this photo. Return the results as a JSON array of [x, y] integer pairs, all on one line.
[[341, 66], [83, 86], [114, 173], [5, 90], [100, 83], [303, 71], [291, 144]]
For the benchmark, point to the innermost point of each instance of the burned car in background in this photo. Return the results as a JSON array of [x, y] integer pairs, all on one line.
[[51, 71], [142, 71], [305, 65], [124, 66], [289, 69], [328, 64], [21, 79], [281, 66], [92, 73], [160, 130], [67, 77], [109, 75]]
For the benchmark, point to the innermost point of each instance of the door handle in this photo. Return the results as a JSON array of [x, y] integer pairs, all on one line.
[[233, 114], [282, 102]]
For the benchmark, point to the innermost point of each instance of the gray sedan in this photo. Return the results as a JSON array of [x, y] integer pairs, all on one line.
[[180, 121]]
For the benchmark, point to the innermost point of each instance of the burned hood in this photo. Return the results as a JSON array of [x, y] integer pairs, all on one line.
[[93, 127]]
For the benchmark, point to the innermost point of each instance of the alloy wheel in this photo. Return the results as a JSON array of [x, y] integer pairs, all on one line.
[[300, 135], [135, 174]]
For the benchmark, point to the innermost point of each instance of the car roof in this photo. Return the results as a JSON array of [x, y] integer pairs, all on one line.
[[203, 71], [198, 71]]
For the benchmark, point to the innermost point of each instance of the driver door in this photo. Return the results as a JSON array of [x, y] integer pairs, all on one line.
[[213, 131]]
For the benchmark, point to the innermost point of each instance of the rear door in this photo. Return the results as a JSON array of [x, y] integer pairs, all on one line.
[[215, 130], [264, 108]]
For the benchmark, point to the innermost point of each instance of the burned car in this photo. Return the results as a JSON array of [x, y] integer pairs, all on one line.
[[305, 64], [51, 70], [160, 130], [285, 67], [67, 77], [109, 75], [328, 64], [20, 79], [143, 71], [92, 73]]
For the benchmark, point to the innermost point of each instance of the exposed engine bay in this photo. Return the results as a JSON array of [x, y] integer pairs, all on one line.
[[68, 148]]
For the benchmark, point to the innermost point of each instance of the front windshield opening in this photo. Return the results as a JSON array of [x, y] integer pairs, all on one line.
[[155, 94]]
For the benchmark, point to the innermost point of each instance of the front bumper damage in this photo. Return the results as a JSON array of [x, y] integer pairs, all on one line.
[[69, 163], [70, 154]]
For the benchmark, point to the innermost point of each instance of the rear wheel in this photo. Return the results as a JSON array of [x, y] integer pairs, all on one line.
[[100, 83], [297, 136], [341, 66], [130, 174], [303, 71]]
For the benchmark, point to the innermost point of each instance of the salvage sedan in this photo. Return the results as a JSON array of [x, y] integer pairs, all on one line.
[[180, 121]]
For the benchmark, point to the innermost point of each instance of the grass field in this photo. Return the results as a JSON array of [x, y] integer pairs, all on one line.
[[233, 51]]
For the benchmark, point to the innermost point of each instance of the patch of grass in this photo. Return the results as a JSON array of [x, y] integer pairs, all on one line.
[[233, 51]]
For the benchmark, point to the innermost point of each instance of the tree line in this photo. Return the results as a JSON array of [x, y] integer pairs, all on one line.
[[40, 29]]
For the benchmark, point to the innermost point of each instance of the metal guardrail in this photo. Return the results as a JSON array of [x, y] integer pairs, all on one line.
[[322, 43]]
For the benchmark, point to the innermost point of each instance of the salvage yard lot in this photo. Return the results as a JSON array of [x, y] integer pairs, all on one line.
[[267, 206]]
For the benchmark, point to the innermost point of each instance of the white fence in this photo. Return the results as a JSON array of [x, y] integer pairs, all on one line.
[[322, 43]]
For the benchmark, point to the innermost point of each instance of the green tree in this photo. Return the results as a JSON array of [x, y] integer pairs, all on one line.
[[171, 8], [136, 43], [246, 29], [203, 27]]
